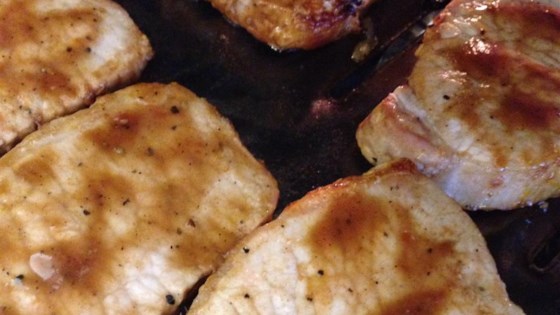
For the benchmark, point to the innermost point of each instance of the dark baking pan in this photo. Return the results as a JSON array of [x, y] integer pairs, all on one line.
[[298, 111]]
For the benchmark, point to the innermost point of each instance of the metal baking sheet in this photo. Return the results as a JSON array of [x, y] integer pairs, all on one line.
[[298, 112]]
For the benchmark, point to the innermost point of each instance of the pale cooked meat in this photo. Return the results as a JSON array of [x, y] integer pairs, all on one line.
[[287, 24], [387, 242], [481, 112], [56, 56], [122, 207]]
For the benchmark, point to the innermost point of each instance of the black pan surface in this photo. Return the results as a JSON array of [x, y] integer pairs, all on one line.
[[298, 112]]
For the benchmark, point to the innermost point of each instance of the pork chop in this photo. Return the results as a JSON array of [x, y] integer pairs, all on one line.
[[387, 242], [122, 207], [56, 56], [481, 112], [289, 24]]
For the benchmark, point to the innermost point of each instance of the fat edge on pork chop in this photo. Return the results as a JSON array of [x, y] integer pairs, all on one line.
[[481, 112]]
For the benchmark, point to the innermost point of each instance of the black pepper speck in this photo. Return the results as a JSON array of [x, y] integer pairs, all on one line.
[[170, 299]]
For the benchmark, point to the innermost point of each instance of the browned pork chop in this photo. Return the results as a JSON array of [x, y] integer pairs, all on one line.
[[287, 24], [122, 207], [56, 56], [481, 112], [387, 242]]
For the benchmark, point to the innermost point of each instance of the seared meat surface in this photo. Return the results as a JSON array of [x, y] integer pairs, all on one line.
[[387, 242], [288, 24], [481, 112], [56, 56], [122, 207]]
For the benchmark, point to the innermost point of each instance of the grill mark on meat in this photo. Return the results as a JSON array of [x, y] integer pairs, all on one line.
[[121, 136], [73, 259], [349, 220], [36, 171], [496, 69], [17, 27], [118, 136], [55, 57], [530, 20], [489, 68], [424, 302], [120, 205], [486, 87], [386, 242], [523, 111], [21, 28], [73, 262], [419, 260], [353, 219], [420, 256]]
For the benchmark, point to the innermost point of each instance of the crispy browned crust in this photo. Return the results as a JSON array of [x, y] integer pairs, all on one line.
[[288, 24]]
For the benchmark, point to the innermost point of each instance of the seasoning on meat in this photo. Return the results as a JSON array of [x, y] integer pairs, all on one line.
[[361, 246], [103, 231], [481, 111], [56, 56]]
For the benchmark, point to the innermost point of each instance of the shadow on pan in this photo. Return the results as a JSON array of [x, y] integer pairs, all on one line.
[[298, 112]]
